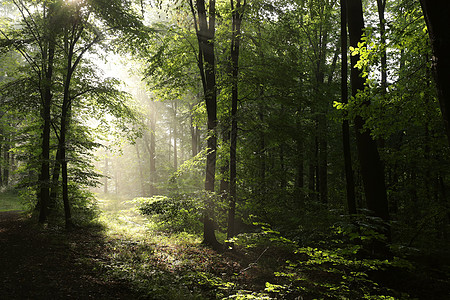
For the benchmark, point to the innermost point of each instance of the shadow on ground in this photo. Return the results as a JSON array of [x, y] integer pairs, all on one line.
[[50, 263]]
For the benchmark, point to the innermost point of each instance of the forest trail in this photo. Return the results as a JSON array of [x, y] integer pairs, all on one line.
[[47, 263]]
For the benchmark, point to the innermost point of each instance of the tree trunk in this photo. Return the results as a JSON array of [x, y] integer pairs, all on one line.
[[105, 185], [237, 14], [436, 15], [169, 144], [323, 158], [207, 67], [62, 147], [262, 188], [141, 173], [46, 97], [194, 133], [350, 182], [117, 180], [381, 5], [312, 175], [321, 130], [224, 186], [55, 179], [175, 136], [150, 145], [6, 160], [152, 151], [371, 166], [70, 41], [299, 181]]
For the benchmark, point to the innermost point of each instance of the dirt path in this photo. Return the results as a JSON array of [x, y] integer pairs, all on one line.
[[38, 263]]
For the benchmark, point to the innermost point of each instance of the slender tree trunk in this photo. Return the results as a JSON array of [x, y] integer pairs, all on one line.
[[150, 145], [323, 159], [71, 38], [262, 154], [381, 5], [436, 15], [117, 181], [175, 136], [321, 138], [206, 63], [313, 182], [141, 173], [194, 134], [237, 14], [46, 97], [6, 160], [312, 175], [55, 178], [350, 182], [12, 161], [65, 120], [371, 166], [169, 145], [262, 188], [152, 152], [105, 185], [299, 181], [224, 187]]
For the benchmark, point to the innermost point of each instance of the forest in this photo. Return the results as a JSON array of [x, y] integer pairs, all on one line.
[[224, 149]]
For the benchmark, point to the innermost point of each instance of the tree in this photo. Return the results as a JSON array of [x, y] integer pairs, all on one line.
[[436, 17], [74, 31], [350, 183], [205, 29], [237, 15], [371, 166], [53, 37]]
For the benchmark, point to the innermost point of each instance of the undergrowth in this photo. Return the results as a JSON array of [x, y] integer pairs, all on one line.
[[9, 201], [173, 264]]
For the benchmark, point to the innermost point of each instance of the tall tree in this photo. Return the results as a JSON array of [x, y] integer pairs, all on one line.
[[48, 46], [175, 134], [74, 31], [350, 182], [436, 14], [237, 14], [205, 23], [371, 166]]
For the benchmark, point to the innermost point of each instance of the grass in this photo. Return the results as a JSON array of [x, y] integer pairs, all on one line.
[[10, 201]]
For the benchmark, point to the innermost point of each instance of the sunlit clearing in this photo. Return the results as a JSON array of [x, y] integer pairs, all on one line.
[[123, 221]]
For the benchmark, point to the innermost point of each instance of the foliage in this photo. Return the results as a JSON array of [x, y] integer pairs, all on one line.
[[10, 201], [183, 212], [334, 268], [177, 213]]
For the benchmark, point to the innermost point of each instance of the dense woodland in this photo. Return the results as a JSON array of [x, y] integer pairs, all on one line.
[[300, 124]]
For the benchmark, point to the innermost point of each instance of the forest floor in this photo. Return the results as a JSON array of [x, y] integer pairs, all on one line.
[[44, 263], [128, 259]]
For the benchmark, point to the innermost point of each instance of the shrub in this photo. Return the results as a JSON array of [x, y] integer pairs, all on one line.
[[177, 213]]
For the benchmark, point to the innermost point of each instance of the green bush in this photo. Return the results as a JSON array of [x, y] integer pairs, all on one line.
[[177, 213]]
